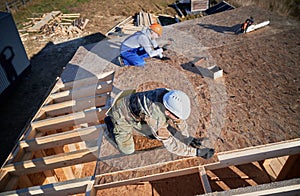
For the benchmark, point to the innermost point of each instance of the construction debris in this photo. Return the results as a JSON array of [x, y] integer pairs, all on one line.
[[56, 23], [215, 72]]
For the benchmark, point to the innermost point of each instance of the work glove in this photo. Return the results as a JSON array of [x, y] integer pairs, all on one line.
[[160, 53], [197, 142], [205, 153]]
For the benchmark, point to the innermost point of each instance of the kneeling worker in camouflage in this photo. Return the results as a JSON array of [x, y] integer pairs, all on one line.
[[150, 113]]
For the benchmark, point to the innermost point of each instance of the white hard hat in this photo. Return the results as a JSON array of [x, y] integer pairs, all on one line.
[[178, 103]]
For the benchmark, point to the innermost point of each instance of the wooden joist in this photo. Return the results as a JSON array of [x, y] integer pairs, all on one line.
[[70, 187], [53, 145], [52, 162], [236, 157], [258, 153], [279, 167], [63, 138], [204, 180], [70, 106], [62, 86], [85, 91], [88, 116]]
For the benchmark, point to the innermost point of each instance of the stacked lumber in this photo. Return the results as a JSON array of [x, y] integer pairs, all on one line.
[[133, 24], [145, 19], [56, 23]]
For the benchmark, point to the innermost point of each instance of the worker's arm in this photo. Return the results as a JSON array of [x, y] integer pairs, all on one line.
[[177, 147], [172, 140], [162, 131], [146, 43]]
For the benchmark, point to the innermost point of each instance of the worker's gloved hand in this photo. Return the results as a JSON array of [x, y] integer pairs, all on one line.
[[160, 53], [205, 153], [197, 142]]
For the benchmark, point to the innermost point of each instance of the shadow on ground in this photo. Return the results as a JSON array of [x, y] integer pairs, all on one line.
[[23, 100]]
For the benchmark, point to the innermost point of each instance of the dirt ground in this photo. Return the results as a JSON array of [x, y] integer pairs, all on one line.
[[256, 102]]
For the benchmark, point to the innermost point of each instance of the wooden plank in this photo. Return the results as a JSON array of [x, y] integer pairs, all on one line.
[[217, 180], [52, 162], [66, 170], [227, 159], [153, 177], [5, 177], [127, 20], [284, 190], [279, 168], [23, 181], [74, 105], [88, 116], [60, 139], [37, 27], [69, 187], [288, 165], [204, 180], [257, 153], [199, 5], [12, 184], [87, 91], [21, 154], [84, 24], [86, 81]]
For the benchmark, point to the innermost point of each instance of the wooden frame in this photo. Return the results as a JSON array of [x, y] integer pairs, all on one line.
[[235, 157], [53, 145], [72, 114]]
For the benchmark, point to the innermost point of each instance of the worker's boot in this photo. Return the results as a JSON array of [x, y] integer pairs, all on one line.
[[110, 130], [121, 62]]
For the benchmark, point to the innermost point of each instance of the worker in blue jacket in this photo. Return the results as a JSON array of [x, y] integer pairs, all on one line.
[[140, 45]]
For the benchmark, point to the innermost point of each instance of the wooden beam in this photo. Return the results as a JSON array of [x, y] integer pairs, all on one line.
[[204, 180], [88, 116], [278, 168], [257, 153], [153, 177], [74, 105], [284, 190], [12, 184], [86, 91], [86, 81], [235, 157], [69, 187], [21, 154], [52, 162], [60, 139], [4, 179], [68, 172], [23, 181]]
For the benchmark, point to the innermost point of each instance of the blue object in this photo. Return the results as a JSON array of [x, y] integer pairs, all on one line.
[[135, 57]]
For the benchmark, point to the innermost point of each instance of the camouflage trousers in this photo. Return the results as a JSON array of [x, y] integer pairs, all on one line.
[[124, 124]]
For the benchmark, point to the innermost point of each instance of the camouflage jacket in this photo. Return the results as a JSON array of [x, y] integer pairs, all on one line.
[[147, 107]]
